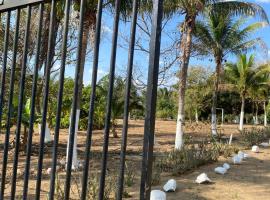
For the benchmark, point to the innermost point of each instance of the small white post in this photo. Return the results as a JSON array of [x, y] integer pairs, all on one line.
[[230, 141]]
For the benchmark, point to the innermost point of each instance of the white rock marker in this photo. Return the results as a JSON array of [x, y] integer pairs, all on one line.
[[226, 166], [220, 170], [241, 154], [203, 178], [157, 195], [170, 186], [265, 144], [255, 149], [236, 159]]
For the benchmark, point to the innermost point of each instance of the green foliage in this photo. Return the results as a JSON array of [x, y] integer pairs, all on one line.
[[166, 103], [198, 89], [254, 136]]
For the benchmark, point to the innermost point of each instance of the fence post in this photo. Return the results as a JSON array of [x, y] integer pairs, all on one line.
[[151, 96]]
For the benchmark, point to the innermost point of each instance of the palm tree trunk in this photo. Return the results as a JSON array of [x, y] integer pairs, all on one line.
[[196, 116], [89, 23], [214, 97], [185, 49], [253, 112], [265, 114], [241, 124], [256, 114]]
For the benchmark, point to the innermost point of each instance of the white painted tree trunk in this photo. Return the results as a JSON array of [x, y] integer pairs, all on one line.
[[186, 41], [254, 119], [48, 137], [215, 95], [265, 114], [241, 123], [214, 124], [196, 116], [179, 132], [75, 162]]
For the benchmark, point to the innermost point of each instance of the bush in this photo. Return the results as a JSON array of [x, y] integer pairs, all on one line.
[[253, 137], [190, 157], [225, 149], [129, 174]]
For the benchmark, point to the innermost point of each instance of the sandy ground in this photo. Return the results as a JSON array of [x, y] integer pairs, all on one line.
[[247, 181]]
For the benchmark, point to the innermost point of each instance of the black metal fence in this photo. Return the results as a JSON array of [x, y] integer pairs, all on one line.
[[9, 59]]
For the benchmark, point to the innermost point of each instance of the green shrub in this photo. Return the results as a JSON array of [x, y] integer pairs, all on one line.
[[178, 162], [225, 149], [253, 137], [129, 175]]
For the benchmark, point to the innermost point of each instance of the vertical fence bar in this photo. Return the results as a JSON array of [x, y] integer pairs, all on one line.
[[92, 101], [109, 101], [11, 91], [21, 102], [151, 96], [3, 77], [74, 105], [127, 100], [60, 98], [33, 100], [46, 96]]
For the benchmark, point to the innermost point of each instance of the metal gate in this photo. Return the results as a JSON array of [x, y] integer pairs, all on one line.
[[10, 49]]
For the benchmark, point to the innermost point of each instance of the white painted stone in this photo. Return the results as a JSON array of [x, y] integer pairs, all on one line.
[[203, 178], [255, 149], [49, 170], [226, 166], [157, 195], [241, 154], [246, 155], [265, 144], [170, 186], [236, 159], [221, 170]]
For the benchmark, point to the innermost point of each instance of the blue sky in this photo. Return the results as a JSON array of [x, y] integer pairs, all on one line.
[[141, 59]]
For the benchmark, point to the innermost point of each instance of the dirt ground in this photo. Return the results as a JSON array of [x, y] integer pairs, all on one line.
[[247, 181]]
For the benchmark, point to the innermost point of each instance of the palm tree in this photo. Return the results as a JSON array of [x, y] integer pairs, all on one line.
[[221, 35], [259, 93], [118, 99], [89, 26], [191, 9], [244, 75]]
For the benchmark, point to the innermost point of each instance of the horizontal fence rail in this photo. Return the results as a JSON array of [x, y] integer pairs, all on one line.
[[33, 33]]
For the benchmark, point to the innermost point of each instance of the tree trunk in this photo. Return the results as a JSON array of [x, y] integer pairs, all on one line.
[[185, 49], [256, 114], [241, 123], [89, 23], [215, 94], [25, 138], [196, 116], [265, 114], [114, 132]]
